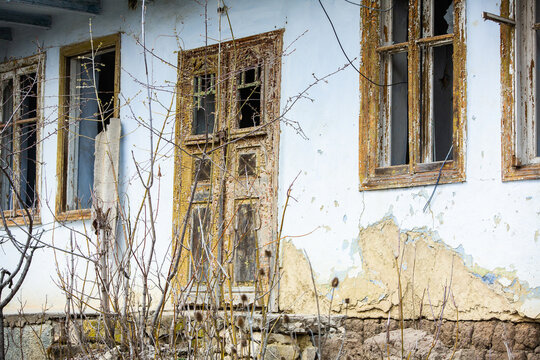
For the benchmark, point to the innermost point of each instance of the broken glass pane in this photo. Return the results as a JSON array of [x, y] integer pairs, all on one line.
[[443, 17], [249, 98], [247, 164], [399, 110], [245, 245], [204, 98]]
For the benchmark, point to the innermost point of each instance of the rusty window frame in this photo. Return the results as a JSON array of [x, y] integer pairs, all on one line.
[[377, 174], [519, 91]]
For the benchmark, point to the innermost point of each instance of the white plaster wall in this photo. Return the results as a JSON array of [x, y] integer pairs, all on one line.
[[495, 224]]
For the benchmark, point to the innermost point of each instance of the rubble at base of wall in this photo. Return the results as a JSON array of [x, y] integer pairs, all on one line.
[[297, 337]]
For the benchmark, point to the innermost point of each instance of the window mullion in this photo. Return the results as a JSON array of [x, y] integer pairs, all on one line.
[[415, 30]]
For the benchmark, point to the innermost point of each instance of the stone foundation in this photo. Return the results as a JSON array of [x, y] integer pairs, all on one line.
[[366, 339], [297, 337]]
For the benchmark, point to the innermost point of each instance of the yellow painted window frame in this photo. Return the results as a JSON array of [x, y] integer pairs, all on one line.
[[36, 63], [373, 177], [512, 168], [67, 52]]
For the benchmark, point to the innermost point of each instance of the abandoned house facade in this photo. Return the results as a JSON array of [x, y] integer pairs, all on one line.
[[365, 160]]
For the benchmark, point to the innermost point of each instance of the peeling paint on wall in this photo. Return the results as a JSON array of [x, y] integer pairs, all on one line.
[[428, 266]]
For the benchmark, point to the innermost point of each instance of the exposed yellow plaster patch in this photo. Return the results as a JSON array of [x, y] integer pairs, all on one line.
[[373, 292], [298, 292]]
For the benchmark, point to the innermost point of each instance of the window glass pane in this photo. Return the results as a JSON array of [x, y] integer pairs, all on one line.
[[28, 163], [105, 85], [443, 17], [249, 98], [87, 131], [200, 242], [399, 110], [88, 116], [28, 92], [6, 160], [442, 102], [204, 98], [7, 102], [245, 245], [6, 149], [400, 20]]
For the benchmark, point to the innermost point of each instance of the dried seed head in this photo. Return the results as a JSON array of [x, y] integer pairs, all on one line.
[[240, 321], [286, 319], [347, 301], [243, 343], [349, 357], [198, 316], [233, 350], [261, 272], [267, 253], [244, 298], [335, 282]]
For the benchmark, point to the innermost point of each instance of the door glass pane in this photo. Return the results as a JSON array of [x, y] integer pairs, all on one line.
[[245, 244], [204, 167], [247, 164], [249, 98], [200, 243], [204, 98]]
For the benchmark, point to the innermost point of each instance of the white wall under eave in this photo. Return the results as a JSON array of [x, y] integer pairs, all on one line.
[[493, 223]]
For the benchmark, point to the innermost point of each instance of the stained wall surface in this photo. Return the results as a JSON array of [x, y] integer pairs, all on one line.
[[480, 237]]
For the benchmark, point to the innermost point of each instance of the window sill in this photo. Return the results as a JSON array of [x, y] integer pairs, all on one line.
[[19, 218], [522, 172], [397, 177], [73, 215]]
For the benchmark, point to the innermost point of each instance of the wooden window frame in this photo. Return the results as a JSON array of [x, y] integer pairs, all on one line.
[[519, 100], [416, 172], [14, 69], [66, 53]]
